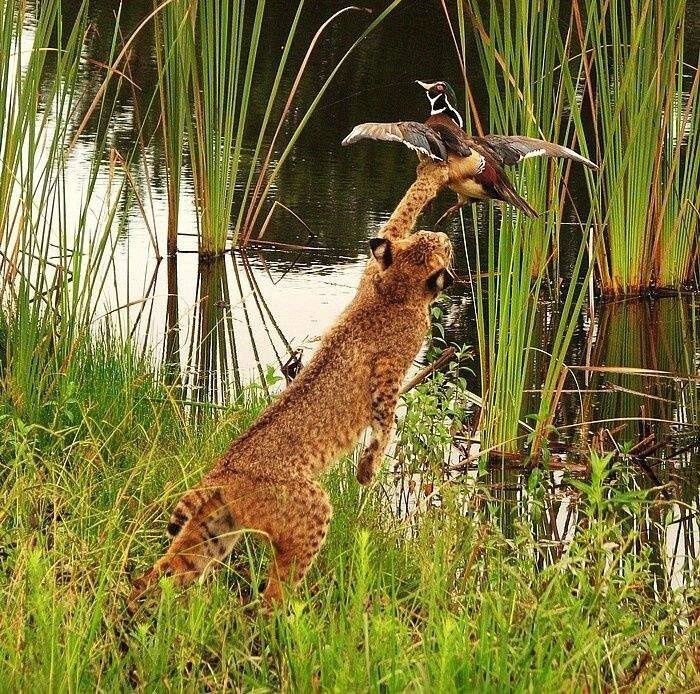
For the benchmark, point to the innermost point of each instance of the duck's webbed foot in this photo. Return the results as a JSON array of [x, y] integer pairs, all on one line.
[[455, 208]]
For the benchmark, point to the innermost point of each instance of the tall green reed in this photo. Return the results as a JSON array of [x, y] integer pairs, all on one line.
[[647, 140], [222, 77], [526, 65], [207, 65], [55, 241], [259, 195], [521, 52], [676, 235], [20, 77], [173, 56], [208, 51]]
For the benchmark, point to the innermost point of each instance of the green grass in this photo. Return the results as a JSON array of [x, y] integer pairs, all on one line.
[[443, 601], [56, 243]]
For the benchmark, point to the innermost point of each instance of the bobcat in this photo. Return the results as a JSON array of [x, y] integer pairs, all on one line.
[[266, 481]]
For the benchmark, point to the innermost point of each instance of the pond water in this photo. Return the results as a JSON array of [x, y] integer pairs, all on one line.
[[226, 321]]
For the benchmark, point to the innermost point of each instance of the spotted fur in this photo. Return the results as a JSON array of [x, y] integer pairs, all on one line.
[[266, 482]]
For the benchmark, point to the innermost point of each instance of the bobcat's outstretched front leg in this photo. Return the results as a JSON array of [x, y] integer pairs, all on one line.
[[384, 385]]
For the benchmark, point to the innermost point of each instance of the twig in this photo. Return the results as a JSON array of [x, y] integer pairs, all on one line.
[[444, 357], [289, 246]]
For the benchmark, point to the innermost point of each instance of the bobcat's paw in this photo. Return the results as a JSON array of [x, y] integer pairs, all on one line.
[[365, 470], [140, 589]]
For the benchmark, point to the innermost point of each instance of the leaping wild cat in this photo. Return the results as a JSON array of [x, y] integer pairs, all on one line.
[[266, 480]]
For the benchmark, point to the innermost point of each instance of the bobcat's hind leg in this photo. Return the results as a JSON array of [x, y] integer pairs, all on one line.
[[206, 538], [297, 528]]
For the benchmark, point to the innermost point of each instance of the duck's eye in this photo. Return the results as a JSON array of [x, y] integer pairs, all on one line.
[[440, 88]]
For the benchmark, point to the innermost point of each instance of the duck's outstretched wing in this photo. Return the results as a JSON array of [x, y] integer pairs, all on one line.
[[416, 136], [512, 149]]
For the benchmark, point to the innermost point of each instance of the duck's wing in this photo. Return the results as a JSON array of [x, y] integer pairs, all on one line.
[[494, 180], [508, 150], [416, 136]]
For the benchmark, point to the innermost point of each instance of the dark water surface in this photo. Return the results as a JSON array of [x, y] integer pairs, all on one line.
[[225, 322]]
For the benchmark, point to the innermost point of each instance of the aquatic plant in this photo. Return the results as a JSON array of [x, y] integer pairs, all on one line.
[[644, 204], [526, 65], [646, 116], [224, 53], [208, 52], [56, 242], [173, 54]]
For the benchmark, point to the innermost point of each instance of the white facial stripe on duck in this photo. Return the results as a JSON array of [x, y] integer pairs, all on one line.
[[440, 104]]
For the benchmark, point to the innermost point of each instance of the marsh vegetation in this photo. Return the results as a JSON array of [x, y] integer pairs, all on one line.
[[178, 224]]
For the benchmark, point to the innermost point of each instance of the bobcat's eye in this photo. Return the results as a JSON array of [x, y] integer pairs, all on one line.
[[440, 280]]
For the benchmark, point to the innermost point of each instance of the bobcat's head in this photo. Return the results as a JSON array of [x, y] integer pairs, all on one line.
[[416, 267]]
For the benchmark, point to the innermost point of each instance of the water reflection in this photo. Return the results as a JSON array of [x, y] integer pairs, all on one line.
[[646, 359], [220, 324], [632, 393], [668, 530]]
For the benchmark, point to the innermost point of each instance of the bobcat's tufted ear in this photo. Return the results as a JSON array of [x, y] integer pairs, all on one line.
[[381, 250], [440, 280]]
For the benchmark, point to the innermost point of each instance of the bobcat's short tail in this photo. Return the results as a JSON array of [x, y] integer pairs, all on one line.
[[187, 507]]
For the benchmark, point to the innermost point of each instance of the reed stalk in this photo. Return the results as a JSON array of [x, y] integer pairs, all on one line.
[[173, 42], [207, 54], [269, 172], [521, 52], [676, 235], [222, 76], [646, 130], [527, 69], [56, 242]]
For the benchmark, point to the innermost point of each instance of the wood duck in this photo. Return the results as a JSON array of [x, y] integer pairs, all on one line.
[[475, 164]]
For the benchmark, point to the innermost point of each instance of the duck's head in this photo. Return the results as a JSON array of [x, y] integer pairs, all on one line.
[[442, 100]]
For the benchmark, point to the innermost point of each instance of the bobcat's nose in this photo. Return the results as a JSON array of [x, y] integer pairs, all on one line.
[[445, 242], [444, 238]]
